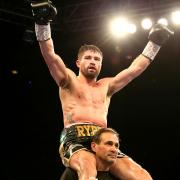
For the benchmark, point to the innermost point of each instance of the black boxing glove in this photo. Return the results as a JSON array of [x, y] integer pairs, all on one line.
[[43, 12], [158, 35]]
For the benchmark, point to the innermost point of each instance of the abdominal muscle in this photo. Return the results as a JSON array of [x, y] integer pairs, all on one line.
[[85, 114], [85, 104]]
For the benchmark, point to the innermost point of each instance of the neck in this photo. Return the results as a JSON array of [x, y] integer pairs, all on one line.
[[86, 80], [102, 165]]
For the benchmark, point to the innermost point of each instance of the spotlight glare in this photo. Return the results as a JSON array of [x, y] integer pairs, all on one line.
[[163, 21], [176, 17], [131, 28], [119, 27], [146, 23]]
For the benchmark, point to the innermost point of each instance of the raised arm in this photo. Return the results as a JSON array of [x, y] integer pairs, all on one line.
[[158, 35], [44, 13]]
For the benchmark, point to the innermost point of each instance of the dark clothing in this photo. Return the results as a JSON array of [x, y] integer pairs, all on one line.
[[70, 174], [76, 138]]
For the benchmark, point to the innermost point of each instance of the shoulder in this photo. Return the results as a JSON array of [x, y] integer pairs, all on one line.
[[105, 81], [71, 73], [71, 78]]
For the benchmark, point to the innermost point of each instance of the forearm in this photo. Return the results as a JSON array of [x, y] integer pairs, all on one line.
[[158, 35], [139, 65], [47, 50], [43, 35]]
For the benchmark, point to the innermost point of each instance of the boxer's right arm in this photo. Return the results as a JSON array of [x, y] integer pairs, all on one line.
[[44, 13]]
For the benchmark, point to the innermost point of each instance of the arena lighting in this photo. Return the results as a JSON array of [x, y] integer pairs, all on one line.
[[132, 28], [14, 71], [163, 21], [146, 23], [120, 27], [176, 17]]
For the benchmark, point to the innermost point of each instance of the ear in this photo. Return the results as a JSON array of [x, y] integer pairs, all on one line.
[[78, 63], [93, 146]]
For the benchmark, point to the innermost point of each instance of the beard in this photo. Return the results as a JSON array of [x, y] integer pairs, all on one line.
[[90, 74]]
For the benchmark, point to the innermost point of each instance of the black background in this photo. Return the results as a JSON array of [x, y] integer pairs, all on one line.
[[145, 112]]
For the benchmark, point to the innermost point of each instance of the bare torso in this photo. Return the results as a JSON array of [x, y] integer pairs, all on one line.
[[85, 103]]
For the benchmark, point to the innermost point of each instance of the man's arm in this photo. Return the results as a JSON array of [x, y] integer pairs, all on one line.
[[55, 64], [44, 13], [127, 75], [158, 35]]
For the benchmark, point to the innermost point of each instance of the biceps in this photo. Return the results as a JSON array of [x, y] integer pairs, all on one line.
[[58, 71], [120, 81]]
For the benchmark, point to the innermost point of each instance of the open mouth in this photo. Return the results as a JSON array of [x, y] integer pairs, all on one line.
[[92, 68]]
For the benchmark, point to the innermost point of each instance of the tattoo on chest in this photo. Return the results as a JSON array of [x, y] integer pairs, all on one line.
[[69, 117]]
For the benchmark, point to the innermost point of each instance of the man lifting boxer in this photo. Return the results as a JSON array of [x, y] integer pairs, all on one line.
[[85, 99], [105, 146]]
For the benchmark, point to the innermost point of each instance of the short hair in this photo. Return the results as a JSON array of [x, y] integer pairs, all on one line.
[[97, 137], [87, 47]]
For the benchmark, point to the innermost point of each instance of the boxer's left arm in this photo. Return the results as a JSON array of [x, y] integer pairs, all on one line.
[[158, 35], [127, 75]]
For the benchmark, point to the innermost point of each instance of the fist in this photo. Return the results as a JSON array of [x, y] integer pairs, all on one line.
[[159, 34], [43, 12]]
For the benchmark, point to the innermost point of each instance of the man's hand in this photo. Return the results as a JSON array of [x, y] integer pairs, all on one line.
[[159, 34], [43, 12]]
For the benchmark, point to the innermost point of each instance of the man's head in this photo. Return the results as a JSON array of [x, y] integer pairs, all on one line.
[[105, 145], [89, 61]]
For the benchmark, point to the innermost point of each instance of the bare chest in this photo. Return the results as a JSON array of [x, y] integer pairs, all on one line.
[[94, 95]]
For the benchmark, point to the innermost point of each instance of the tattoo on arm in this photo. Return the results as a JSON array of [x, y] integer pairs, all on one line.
[[69, 117]]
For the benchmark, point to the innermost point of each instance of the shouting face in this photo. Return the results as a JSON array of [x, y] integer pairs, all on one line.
[[90, 64]]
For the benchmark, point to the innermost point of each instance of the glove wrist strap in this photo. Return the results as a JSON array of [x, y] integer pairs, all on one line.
[[43, 32], [151, 50]]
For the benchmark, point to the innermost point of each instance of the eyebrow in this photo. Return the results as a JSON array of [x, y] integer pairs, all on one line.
[[111, 143], [87, 56], [95, 57]]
